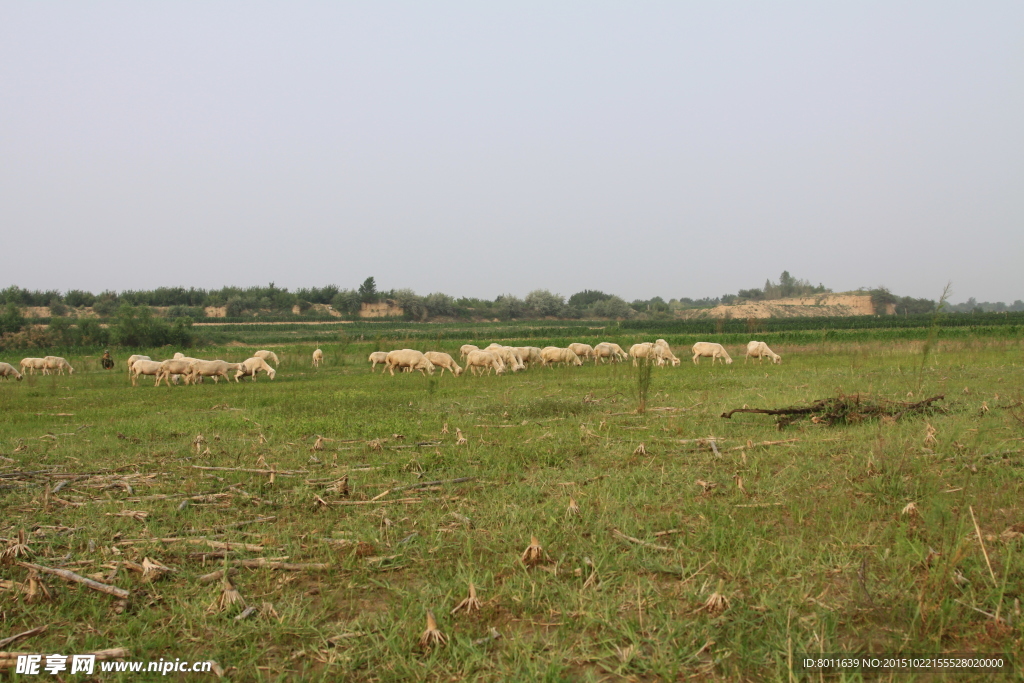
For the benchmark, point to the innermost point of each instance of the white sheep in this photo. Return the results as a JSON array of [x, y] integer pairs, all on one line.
[[7, 370], [758, 350], [710, 350], [465, 349], [30, 365], [56, 363], [584, 351], [408, 358], [252, 366], [664, 354], [509, 355], [174, 366], [443, 361], [553, 354], [318, 358], [530, 355], [644, 350], [132, 359], [377, 357], [485, 361], [267, 355], [212, 368], [144, 366], [610, 351]]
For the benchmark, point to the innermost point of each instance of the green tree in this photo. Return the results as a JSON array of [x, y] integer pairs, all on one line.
[[368, 291], [12, 319]]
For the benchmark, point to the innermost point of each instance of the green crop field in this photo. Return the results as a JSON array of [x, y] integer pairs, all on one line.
[[674, 544]]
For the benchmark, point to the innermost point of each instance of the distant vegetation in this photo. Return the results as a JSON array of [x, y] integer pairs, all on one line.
[[166, 315]]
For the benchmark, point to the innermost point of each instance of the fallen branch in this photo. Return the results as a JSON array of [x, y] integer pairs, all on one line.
[[846, 409], [71, 576], [236, 525], [283, 473], [618, 534], [264, 563], [10, 659], [373, 502], [424, 484], [24, 634]]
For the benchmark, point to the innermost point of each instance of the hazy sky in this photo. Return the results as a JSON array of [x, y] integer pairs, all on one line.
[[477, 148]]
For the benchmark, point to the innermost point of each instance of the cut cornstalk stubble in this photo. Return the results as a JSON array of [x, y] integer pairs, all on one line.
[[460, 440], [432, 636], [16, 549], [573, 510], [319, 444], [229, 596], [717, 603], [533, 554], [469, 604], [640, 450]]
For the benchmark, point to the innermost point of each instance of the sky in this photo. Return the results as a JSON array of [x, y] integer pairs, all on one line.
[[678, 149]]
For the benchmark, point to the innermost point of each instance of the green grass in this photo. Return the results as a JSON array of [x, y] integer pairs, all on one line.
[[815, 557]]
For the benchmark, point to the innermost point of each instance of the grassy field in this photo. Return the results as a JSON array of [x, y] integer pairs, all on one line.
[[703, 547]]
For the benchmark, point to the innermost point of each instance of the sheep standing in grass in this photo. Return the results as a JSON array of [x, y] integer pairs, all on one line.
[[443, 361], [760, 350], [212, 368], [642, 350], [252, 367], [377, 357], [57, 363], [529, 355], [710, 350], [30, 365], [408, 358], [7, 370], [663, 352], [318, 358], [554, 354], [144, 366], [465, 349], [174, 366], [584, 351], [132, 359], [268, 356], [609, 351], [484, 361], [509, 356]]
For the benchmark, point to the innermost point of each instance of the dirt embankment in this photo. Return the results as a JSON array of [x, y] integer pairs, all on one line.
[[823, 305]]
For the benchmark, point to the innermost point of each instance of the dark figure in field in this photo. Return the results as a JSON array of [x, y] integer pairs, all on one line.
[[107, 362]]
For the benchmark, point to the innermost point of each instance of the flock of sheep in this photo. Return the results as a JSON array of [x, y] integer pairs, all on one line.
[[193, 370], [495, 357], [515, 358], [47, 365]]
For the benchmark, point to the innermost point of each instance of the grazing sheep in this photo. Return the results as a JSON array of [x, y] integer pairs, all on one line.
[[132, 359], [509, 355], [267, 355], [664, 354], [443, 361], [252, 366], [584, 351], [485, 361], [7, 370], [552, 354], [377, 357], [530, 355], [174, 366], [212, 368], [609, 350], [318, 358], [56, 363], [144, 366], [408, 358], [30, 365], [643, 350], [758, 350], [465, 349], [710, 350]]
